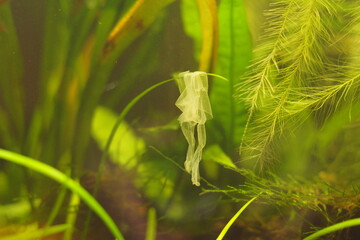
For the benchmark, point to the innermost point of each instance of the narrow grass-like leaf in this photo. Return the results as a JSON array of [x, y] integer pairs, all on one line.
[[233, 219], [57, 206], [151, 225], [11, 97], [71, 215], [128, 28], [131, 25], [54, 54], [66, 181], [209, 32], [333, 228], [38, 233], [148, 48], [47, 119]]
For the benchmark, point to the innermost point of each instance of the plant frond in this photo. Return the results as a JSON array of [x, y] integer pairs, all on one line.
[[288, 191], [259, 82], [282, 82]]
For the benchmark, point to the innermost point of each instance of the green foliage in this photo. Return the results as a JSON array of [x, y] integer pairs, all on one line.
[[191, 20], [216, 154], [294, 75], [82, 41], [126, 149], [66, 181], [234, 54], [232, 220], [290, 101], [11, 101], [38, 233], [333, 228], [151, 225]]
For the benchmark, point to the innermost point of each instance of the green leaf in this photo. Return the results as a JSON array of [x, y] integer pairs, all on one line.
[[191, 22], [151, 225], [91, 4], [11, 97], [200, 23], [335, 227], [170, 126], [234, 54], [105, 56], [233, 219], [38, 233], [63, 179], [216, 154], [126, 148], [147, 48]]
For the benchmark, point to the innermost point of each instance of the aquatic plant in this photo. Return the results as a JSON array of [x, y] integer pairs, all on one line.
[[82, 92], [294, 76]]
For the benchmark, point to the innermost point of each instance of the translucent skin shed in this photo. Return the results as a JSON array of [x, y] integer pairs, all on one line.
[[196, 110]]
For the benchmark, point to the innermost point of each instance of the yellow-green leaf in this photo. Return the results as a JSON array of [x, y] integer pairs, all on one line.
[[126, 148], [216, 154]]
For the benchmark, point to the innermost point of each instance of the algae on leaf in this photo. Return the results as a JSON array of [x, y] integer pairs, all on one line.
[[196, 110]]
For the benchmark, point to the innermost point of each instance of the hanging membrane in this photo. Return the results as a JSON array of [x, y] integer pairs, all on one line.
[[196, 110]]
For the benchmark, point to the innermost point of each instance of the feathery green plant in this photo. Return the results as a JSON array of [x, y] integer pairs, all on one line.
[[293, 75]]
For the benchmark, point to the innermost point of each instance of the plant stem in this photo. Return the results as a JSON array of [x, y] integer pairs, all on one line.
[[333, 228], [232, 220]]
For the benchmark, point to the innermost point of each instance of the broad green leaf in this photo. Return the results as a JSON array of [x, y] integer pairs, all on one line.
[[126, 148], [234, 53], [216, 154]]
